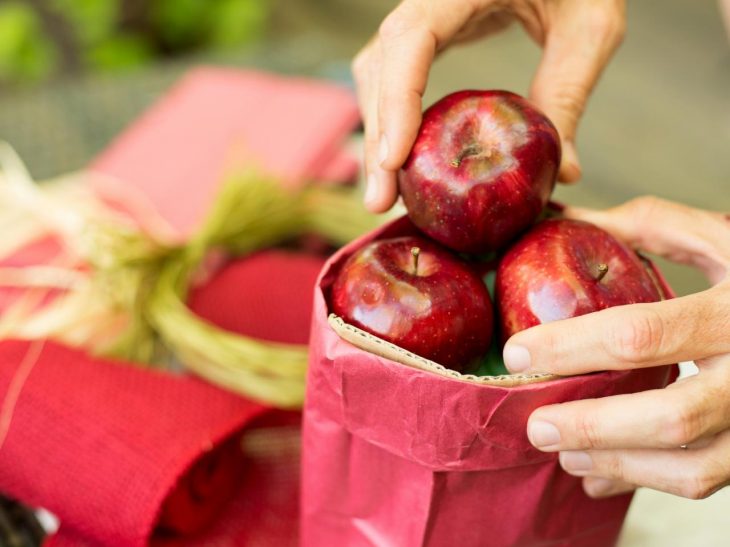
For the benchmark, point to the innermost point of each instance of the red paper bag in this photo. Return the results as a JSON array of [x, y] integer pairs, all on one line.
[[394, 455]]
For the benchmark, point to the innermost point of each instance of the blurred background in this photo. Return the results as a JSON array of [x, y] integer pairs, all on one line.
[[73, 73]]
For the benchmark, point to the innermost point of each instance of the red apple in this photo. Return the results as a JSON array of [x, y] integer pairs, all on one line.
[[417, 295], [564, 268], [482, 168]]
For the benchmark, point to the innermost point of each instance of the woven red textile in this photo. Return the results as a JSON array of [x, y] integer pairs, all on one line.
[[103, 444], [265, 509]]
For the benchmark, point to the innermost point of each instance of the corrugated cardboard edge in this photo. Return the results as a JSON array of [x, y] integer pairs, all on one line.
[[372, 344]]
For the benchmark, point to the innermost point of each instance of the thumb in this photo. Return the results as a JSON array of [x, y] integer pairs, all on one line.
[[579, 43]]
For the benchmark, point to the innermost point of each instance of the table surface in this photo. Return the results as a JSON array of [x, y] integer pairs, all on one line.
[[658, 123]]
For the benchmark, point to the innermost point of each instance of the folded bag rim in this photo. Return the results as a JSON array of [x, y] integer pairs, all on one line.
[[387, 350], [369, 390]]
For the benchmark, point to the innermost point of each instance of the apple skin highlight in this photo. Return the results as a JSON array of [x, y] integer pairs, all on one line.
[[428, 302], [564, 268], [482, 168]]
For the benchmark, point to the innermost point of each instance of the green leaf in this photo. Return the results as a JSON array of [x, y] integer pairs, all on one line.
[[489, 280], [492, 363]]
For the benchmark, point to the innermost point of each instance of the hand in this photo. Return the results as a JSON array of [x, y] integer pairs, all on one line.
[[618, 443], [578, 37]]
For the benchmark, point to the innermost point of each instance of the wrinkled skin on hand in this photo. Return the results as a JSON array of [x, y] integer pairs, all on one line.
[[578, 38], [675, 439]]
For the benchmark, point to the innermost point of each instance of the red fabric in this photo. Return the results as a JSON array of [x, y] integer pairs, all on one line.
[[112, 449], [108, 447], [393, 455], [167, 167], [265, 508], [103, 444], [203, 492], [43, 251], [266, 295]]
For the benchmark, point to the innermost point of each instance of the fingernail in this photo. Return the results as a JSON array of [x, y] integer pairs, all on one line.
[[383, 149], [371, 189], [576, 461], [516, 358], [597, 487], [542, 434]]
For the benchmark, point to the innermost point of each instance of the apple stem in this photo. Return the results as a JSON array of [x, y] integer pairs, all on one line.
[[472, 150], [415, 251], [602, 271]]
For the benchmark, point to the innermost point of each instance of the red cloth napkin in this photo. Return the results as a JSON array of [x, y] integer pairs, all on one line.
[[103, 444], [167, 167], [266, 296]]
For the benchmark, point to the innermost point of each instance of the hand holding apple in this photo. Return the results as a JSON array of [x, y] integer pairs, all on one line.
[[620, 442], [391, 71], [564, 268]]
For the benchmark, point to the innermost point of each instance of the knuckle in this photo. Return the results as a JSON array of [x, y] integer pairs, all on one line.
[[644, 206], [608, 22], [550, 345], [588, 431], [639, 338], [700, 483], [613, 466], [570, 102], [683, 426], [645, 213], [394, 25]]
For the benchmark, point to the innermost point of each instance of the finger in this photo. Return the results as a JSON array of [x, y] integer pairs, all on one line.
[[626, 337], [361, 68], [689, 473], [578, 45], [410, 37], [380, 191], [677, 232], [409, 48], [598, 487], [679, 415]]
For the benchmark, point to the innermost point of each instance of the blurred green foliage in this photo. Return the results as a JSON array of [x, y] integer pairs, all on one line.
[[182, 24], [92, 21], [25, 53], [40, 39]]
